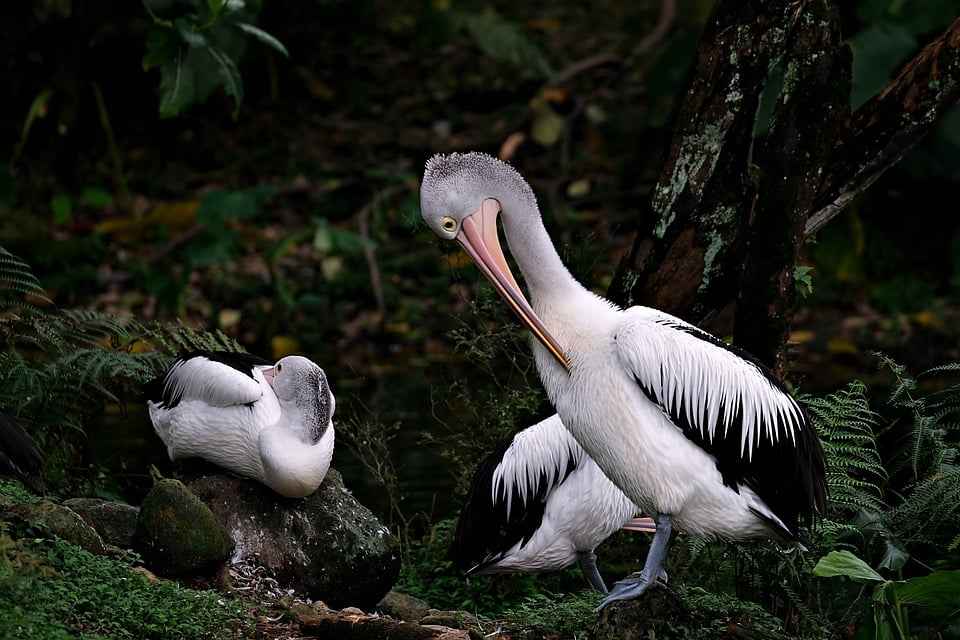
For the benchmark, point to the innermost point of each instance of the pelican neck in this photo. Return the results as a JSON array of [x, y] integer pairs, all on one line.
[[543, 271]]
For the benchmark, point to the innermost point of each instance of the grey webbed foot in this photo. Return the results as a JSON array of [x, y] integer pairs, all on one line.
[[635, 585]]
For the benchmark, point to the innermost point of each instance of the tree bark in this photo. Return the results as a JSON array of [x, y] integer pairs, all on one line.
[[688, 256], [814, 104], [683, 260]]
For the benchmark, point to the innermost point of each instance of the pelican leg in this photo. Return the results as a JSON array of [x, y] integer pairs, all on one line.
[[634, 586], [588, 565]]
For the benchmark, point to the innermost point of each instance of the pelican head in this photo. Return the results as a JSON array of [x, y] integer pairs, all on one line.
[[461, 197], [302, 389]]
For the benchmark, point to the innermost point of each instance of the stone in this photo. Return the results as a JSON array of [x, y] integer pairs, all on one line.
[[452, 619], [403, 606], [668, 614], [326, 546], [59, 520], [177, 534], [116, 522]]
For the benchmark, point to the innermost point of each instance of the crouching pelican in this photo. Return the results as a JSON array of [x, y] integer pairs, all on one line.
[[691, 429], [539, 503], [270, 422]]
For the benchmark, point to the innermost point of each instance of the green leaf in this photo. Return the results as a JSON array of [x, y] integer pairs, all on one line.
[[894, 557], [163, 45], [877, 53], [62, 206], [803, 280], [188, 31], [263, 37], [215, 6], [844, 563], [501, 40], [218, 207], [938, 593], [96, 198], [177, 88], [230, 75]]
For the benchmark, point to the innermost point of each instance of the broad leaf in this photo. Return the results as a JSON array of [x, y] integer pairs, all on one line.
[[938, 593], [877, 53], [263, 37], [844, 563]]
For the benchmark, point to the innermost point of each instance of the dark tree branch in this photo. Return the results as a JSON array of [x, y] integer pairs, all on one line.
[[684, 258], [688, 256], [809, 116], [886, 127]]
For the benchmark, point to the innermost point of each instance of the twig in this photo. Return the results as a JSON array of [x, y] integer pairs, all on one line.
[[369, 248]]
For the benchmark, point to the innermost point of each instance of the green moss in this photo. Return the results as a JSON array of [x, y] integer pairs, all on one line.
[[52, 590], [177, 533], [13, 492], [566, 615]]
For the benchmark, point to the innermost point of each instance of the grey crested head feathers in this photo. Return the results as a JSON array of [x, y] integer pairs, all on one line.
[[456, 184]]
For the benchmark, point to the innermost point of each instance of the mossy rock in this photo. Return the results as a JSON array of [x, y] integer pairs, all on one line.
[[116, 522], [327, 546], [58, 520], [177, 534], [686, 614]]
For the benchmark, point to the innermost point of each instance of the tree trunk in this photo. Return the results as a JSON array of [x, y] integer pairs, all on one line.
[[684, 259], [813, 105], [690, 257]]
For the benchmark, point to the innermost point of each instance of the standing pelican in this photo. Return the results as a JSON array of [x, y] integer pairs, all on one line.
[[539, 503], [270, 422], [689, 428]]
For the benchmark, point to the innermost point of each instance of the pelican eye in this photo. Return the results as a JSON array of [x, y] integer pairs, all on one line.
[[279, 368], [448, 224]]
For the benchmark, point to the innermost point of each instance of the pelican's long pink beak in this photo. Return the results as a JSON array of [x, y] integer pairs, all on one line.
[[478, 237], [268, 374]]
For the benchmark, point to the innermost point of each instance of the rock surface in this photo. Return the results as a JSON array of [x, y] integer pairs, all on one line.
[[59, 520], [327, 545], [177, 534], [352, 624], [116, 522], [403, 607]]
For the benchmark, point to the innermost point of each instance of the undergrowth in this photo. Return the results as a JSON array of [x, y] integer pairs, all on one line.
[[52, 590]]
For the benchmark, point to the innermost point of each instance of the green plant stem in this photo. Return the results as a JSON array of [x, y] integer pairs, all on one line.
[[119, 179]]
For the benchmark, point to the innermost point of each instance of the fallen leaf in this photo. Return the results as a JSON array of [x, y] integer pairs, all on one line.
[[283, 346], [509, 147]]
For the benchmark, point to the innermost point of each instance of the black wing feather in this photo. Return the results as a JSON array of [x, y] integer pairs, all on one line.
[[787, 473], [484, 530]]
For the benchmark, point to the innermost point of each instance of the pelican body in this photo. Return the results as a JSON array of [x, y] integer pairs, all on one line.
[[689, 428], [539, 503], [270, 422]]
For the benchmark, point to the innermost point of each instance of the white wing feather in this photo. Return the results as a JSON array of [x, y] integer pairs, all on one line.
[[212, 382], [542, 451], [683, 371]]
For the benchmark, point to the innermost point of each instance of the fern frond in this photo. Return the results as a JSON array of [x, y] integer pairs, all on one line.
[[18, 284], [855, 471]]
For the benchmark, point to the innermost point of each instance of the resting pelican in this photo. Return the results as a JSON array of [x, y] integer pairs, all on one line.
[[270, 422], [539, 503], [689, 428]]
